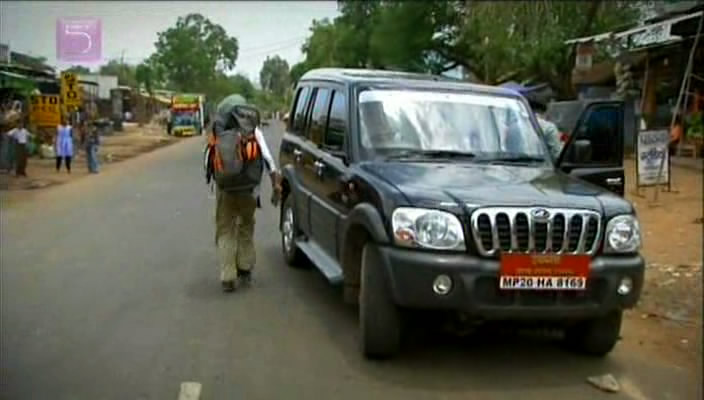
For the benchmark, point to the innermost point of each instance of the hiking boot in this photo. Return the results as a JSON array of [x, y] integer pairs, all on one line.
[[228, 286], [244, 277]]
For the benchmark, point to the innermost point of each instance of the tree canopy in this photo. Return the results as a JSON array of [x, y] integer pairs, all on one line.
[[126, 73], [491, 40], [78, 69], [274, 75], [194, 52]]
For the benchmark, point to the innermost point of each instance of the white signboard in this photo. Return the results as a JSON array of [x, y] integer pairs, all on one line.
[[652, 147]]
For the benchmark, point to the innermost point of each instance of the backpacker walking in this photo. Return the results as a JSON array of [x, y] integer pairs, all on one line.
[[236, 156]]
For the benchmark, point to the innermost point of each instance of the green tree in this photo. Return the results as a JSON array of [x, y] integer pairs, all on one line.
[[144, 76], [78, 69], [525, 40], [274, 75], [493, 41], [125, 73], [195, 53], [298, 70], [242, 85]]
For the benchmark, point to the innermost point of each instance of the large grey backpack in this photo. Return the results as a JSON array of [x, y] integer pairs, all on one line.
[[233, 141]]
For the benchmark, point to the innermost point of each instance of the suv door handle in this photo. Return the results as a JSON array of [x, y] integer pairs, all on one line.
[[319, 166], [614, 181]]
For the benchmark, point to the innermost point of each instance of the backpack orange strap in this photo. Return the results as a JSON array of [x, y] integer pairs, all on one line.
[[217, 159]]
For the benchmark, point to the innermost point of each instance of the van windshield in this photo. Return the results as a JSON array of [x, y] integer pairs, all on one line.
[[481, 125]]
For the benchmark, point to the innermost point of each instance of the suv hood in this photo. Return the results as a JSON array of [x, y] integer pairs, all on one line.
[[428, 183]]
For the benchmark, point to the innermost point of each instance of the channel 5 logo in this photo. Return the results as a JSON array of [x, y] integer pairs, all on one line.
[[79, 39]]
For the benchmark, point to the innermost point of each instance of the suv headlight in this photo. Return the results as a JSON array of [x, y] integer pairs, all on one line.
[[622, 234], [433, 229]]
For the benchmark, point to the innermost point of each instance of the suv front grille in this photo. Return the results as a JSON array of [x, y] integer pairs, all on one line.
[[535, 230]]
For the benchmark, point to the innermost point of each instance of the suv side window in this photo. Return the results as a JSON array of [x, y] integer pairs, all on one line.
[[319, 116], [335, 134], [298, 122], [602, 128]]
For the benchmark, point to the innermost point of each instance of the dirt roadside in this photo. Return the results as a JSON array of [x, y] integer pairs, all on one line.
[[668, 319], [131, 142]]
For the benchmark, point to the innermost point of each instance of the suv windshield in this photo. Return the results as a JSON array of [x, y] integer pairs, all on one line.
[[437, 124]]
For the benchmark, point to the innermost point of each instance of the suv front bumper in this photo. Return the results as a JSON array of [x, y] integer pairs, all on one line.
[[475, 288]]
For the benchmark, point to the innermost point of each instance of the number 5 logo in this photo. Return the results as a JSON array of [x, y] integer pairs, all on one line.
[[78, 39], [69, 32]]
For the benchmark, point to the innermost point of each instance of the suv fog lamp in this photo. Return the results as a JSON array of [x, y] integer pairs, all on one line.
[[442, 284], [625, 286]]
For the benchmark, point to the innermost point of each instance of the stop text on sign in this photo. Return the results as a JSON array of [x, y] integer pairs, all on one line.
[[70, 91]]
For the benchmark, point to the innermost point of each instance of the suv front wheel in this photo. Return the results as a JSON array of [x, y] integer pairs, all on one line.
[[379, 318], [596, 337]]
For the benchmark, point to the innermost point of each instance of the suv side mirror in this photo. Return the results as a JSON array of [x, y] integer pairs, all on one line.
[[582, 151]]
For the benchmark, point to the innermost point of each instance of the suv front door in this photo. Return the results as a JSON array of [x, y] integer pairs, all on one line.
[[595, 148]]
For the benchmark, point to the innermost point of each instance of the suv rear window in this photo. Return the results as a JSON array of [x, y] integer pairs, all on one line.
[[299, 121], [319, 115], [335, 135]]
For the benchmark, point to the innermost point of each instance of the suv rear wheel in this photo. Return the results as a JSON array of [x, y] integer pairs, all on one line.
[[379, 318], [596, 337], [289, 231]]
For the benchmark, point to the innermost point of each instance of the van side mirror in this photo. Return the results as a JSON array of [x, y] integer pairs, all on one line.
[[582, 151]]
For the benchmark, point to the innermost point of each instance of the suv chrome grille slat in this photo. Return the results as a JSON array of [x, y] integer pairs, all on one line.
[[516, 230]]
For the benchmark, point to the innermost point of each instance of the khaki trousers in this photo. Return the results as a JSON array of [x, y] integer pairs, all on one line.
[[234, 233]]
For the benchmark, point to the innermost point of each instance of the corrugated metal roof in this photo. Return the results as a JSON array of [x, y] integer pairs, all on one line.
[[640, 29]]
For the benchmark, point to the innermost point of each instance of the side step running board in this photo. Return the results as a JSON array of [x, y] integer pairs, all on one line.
[[328, 266]]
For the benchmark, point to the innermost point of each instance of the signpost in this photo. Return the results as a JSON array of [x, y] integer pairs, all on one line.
[[70, 91], [45, 110], [652, 148]]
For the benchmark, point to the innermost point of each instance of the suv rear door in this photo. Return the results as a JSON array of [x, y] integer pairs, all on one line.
[[595, 148], [291, 153]]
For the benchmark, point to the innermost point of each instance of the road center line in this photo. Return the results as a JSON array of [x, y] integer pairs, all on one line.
[[189, 391]]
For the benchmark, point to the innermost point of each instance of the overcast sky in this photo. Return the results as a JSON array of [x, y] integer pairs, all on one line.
[[130, 27]]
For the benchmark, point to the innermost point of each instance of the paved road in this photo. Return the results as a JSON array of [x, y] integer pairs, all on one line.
[[109, 291]]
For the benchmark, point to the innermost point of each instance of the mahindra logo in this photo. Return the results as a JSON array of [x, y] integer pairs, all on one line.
[[540, 214]]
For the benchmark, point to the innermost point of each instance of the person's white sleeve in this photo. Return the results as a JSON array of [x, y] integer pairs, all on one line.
[[266, 154]]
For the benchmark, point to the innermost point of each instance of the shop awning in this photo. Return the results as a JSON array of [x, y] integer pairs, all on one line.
[[653, 33]]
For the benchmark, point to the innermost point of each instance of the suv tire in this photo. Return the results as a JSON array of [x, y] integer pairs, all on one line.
[[596, 337], [379, 318], [289, 231]]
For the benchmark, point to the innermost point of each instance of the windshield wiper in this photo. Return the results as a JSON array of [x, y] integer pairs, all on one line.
[[430, 154], [448, 154], [515, 159]]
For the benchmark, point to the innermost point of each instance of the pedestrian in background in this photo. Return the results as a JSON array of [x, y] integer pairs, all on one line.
[[550, 132], [21, 136], [7, 151], [64, 144], [91, 145]]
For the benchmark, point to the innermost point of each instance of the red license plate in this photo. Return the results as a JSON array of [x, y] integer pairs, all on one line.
[[544, 272]]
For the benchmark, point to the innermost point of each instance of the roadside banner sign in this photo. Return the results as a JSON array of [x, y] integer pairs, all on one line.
[[652, 150], [70, 91], [45, 110]]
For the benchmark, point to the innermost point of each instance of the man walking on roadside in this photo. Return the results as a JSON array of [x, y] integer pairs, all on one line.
[[237, 154], [21, 136]]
